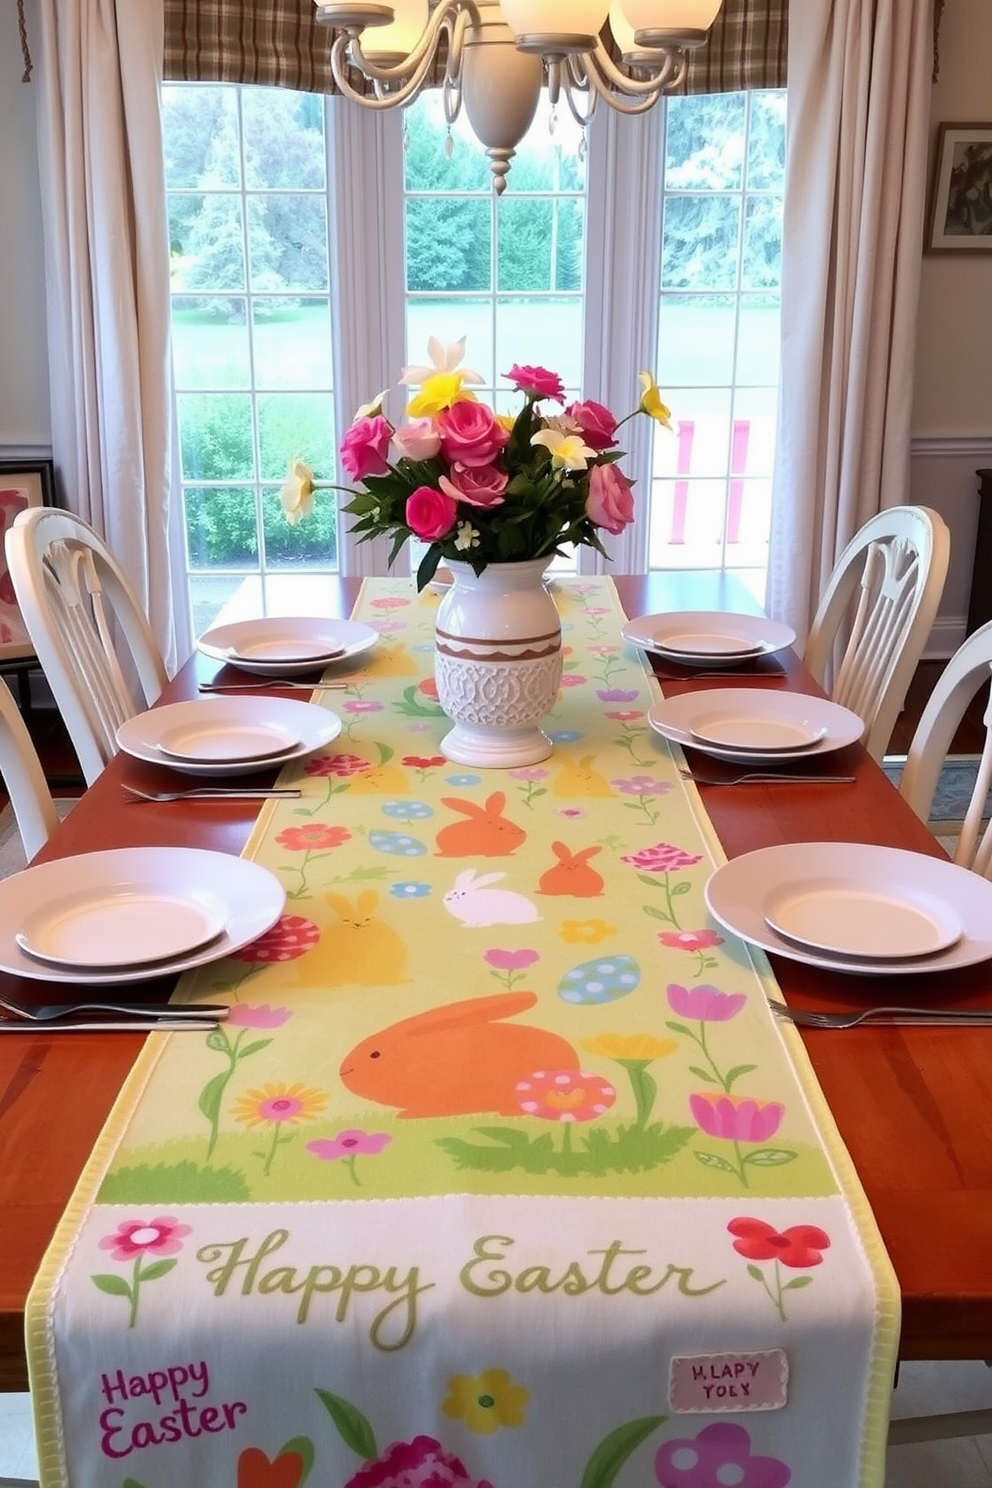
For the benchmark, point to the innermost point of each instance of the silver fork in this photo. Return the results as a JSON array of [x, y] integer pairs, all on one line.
[[46, 1012], [807, 1019], [763, 777], [212, 793], [271, 682]]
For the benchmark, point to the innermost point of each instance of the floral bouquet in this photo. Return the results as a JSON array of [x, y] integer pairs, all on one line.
[[477, 486]]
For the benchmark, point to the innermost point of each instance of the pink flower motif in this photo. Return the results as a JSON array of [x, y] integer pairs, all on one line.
[[350, 1143], [610, 503], [705, 1003], [691, 940], [358, 705], [511, 960], [572, 679], [365, 446], [421, 1463], [625, 715], [390, 602], [336, 764], [429, 513], [290, 936], [718, 1454], [662, 858], [424, 761], [259, 1015], [565, 1095], [417, 439], [481, 485], [528, 774], [736, 1118], [537, 382], [598, 426], [387, 627], [570, 813], [641, 785], [471, 434], [136, 1237]]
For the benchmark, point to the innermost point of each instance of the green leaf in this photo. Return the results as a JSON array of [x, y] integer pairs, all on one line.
[[680, 1028], [355, 1429], [613, 1451], [218, 1040], [131, 1483], [711, 1160], [736, 1072], [303, 1447], [702, 1074], [797, 1281], [114, 1286], [156, 1269], [756, 1272], [254, 1048], [770, 1157], [211, 1096], [656, 914], [681, 888]]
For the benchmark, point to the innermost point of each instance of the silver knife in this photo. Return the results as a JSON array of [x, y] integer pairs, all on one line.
[[109, 1025]]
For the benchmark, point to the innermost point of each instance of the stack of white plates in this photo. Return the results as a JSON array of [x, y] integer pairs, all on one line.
[[753, 725], [708, 638], [129, 914], [228, 735], [856, 907], [281, 647]]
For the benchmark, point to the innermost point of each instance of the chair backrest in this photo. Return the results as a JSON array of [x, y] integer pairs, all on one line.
[[76, 602], [23, 777], [883, 595], [968, 669]]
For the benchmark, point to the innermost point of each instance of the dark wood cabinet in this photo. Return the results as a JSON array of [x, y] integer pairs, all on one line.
[[980, 604]]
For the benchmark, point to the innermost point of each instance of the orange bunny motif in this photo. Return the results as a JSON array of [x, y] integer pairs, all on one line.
[[578, 778], [456, 1060], [486, 833], [356, 949], [571, 875]]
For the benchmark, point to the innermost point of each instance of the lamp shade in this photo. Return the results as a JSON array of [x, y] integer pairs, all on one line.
[[555, 21], [674, 16], [399, 38]]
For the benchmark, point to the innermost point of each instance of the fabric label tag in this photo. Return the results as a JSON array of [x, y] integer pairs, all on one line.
[[729, 1382]]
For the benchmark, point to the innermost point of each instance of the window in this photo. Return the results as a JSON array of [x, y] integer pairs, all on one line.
[[274, 289]]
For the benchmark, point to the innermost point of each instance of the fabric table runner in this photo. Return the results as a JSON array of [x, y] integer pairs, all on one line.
[[500, 1171]]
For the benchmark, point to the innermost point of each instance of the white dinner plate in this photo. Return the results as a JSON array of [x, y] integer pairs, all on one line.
[[226, 726], [766, 725], [708, 637], [278, 646], [121, 924], [250, 900], [749, 891]]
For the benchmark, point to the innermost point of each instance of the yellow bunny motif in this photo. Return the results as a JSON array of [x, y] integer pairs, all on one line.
[[381, 779], [578, 778], [357, 948]]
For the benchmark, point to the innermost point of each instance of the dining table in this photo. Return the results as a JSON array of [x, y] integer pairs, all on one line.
[[910, 1102]]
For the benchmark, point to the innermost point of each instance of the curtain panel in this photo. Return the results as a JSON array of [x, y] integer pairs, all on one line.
[[279, 42]]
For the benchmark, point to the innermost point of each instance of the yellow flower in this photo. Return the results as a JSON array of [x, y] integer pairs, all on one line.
[[568, 452], [651, 403], [438, 393], [638, 1046], [297, 492], [585, 932], [487, 1401], [443, 359], [279, 1104]]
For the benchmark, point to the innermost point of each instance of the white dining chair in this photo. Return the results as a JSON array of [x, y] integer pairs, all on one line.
[[969, 669], [23, 778], [876, 613], [87, 628]]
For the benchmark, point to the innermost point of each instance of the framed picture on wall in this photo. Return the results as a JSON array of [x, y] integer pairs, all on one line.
[[23, 483], [960, 218]]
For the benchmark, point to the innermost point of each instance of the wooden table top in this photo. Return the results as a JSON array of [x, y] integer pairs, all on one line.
[[911, 1103]]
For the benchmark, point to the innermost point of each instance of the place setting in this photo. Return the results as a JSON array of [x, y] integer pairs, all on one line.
[[748, 726], [228, 736], [710, 641], [287, 646], [855, 907]]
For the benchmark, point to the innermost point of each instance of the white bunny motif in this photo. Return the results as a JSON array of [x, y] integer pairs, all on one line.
[[476, 905]]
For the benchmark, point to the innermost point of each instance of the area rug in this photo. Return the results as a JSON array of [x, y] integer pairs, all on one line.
[[951, 798], [12, 858]]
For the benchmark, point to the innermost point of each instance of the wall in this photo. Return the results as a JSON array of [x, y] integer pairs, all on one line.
[[952, 414]]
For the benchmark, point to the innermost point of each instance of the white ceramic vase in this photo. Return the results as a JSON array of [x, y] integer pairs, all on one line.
[[497, 663]]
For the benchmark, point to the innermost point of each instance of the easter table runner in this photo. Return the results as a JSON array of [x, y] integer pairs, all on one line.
[[500, 1173]]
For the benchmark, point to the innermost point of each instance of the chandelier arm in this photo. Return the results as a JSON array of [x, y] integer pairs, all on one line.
[[576, 84], [452, 16], [608, 81]]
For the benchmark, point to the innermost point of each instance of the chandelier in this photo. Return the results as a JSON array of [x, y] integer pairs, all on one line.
[[498, 54]]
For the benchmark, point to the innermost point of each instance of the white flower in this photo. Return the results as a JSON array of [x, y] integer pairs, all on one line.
[[567, 450], [297, 492], [563, 422], [443, 359], [467, 537], [373, 409]]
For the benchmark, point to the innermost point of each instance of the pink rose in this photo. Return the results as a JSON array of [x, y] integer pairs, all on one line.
[[418, 439], [423, 1461], [537, 381], [470, 434], [365, 446], [481, 485], [596, 422], [430, 514], [610, 502]]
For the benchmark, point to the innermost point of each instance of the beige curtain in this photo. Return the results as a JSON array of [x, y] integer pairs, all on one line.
[[859, 79], [107, 270]]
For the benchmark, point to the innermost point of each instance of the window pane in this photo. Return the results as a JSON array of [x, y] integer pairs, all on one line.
[[200, 135], [221, 530], [448, 243], [292, 342], [293, 424], [310, 544], [284, 139], [287, 242], [215, 437], [210, 346], [700, 247]]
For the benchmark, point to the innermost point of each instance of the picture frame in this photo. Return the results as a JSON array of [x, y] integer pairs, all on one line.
[[960, 215], [23, 484]]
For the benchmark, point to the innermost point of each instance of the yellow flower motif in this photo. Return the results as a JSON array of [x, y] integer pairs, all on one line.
[[585, 932], [651, 403], [297, 492], [487, 1401], [567, 450], [438, 393], [630, 1046], [280, 1104]]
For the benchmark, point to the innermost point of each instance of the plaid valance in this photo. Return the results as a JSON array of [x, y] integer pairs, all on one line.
[[279, 42]]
